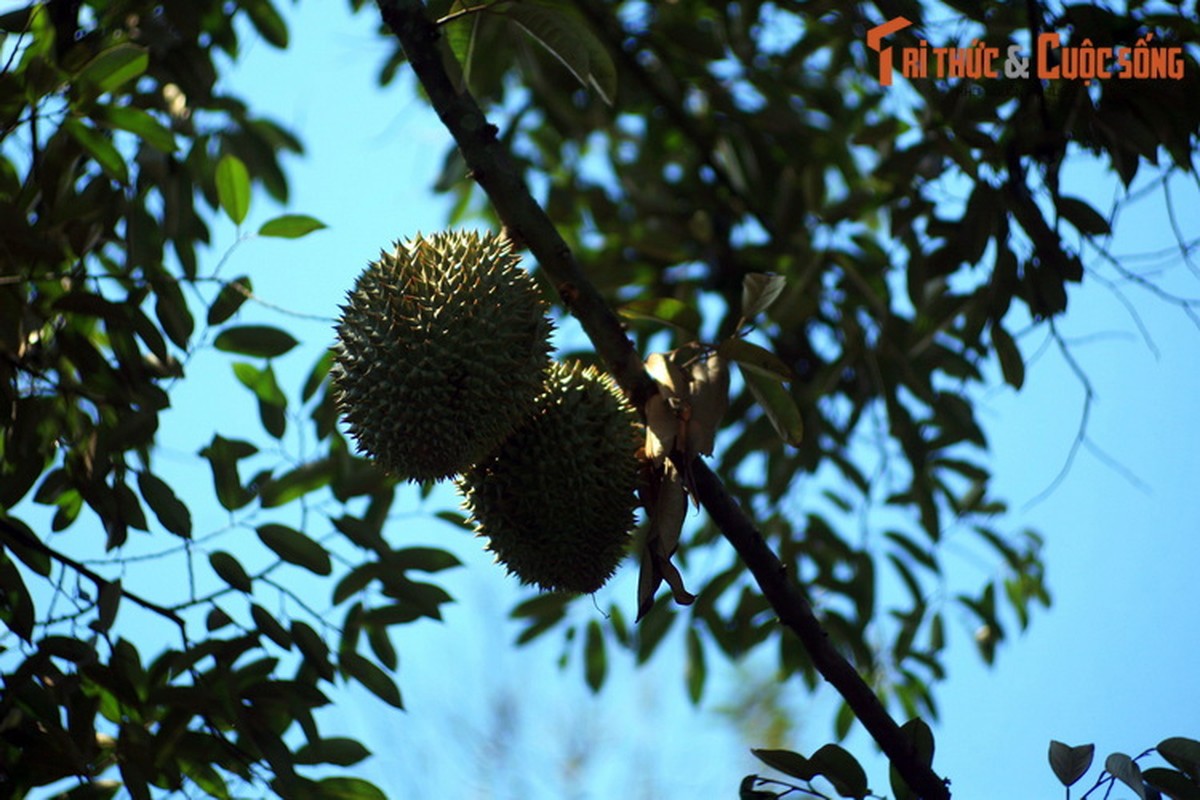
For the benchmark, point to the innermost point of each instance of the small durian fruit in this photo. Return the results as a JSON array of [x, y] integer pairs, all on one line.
[[442, 351], [556, 501]]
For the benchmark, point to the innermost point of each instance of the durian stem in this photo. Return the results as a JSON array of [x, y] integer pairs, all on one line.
[[495, 171]]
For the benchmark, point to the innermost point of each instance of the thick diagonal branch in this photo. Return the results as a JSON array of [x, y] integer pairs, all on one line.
[[20, 537], [495, 171]]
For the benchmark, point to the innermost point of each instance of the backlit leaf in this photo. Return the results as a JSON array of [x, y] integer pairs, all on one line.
[[290, 226], [348, 789], [756, 359], [696, 672], [594, 657], [779, 405], [137, 122], [296, 483], [267, 21], [113, 67], [233, 187], [759, 291], [667, 310], [560, 29], [100, 148]]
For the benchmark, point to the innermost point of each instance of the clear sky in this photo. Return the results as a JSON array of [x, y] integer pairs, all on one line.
[[1113, 662]]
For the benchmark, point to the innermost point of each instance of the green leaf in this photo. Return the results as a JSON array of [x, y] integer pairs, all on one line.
[[842, 770], [294, 547], [171, 512], [594, 657], [424, 559], [1183, 754], [267, 21], [779, 405], [844, 721], [272, 403], [223, 455], [667, 310], [100, 148], [787, 762], [696, 671], [290, 226], [207, 778], [1086, 219], [917, 732], [262, 341], [1124, 769], [1012, 365], [381, 645], [229, 570], [560, 29], [317, 376], [270, 627], [229, 300], [1174, 784], [355, 581], [759, 291], [233, 187], [757, 359], [172, 311], [108, 600], [423, 599], [217, 618], [137, 122], [376, 681], [16, 603], [348, 789], [65, 647], [313, 648], [296, 483], [549, 604], [746, 790], [113, 67], [340, 751], [914, 550]]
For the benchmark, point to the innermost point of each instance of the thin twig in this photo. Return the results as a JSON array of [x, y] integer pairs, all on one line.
[[100, 581]]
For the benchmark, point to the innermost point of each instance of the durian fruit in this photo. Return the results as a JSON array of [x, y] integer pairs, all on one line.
[[442, 351], [557, 500]]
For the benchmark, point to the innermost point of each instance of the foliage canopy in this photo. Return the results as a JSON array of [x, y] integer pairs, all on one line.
[[683, 151]]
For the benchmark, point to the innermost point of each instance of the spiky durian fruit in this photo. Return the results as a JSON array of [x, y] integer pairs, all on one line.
[[442, 351], [557, 500]]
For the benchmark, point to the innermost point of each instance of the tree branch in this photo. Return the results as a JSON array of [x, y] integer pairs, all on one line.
[[495, 171], [20, 537]]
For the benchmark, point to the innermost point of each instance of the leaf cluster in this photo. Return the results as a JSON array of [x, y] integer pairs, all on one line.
[[750, 140], [118, 149]]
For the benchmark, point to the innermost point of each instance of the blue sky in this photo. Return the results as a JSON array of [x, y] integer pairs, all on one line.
[[1113, 662]]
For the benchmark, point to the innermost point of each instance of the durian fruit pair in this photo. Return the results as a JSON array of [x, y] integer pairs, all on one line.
[[442, 368]]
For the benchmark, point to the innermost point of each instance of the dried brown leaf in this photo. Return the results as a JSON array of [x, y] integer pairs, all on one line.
[[709, 397]]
